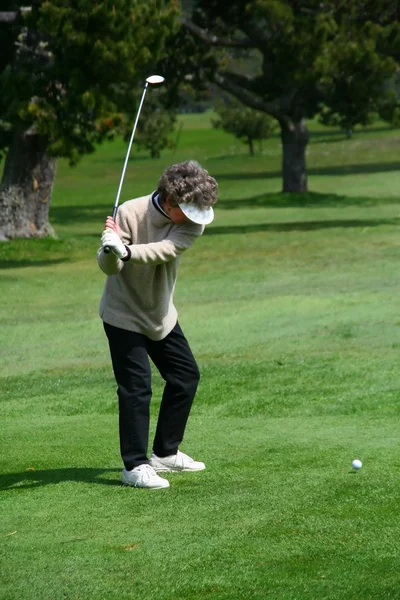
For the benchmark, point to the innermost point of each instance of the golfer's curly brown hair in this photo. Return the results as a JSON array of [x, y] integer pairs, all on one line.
[[189, 183]]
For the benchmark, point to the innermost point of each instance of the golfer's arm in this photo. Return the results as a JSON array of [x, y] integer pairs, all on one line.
[[157, 253]]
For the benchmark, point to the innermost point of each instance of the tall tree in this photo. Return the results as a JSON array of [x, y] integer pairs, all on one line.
[[68, 69], [291, 58]]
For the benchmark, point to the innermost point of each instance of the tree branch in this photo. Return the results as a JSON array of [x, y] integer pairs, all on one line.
[[229, 84], [241, 81], [214, 40]]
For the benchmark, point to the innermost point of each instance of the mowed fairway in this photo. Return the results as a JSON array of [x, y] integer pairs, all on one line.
[[291, 306]]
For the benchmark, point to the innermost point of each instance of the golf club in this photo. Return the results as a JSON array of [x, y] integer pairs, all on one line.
[[152, 79]]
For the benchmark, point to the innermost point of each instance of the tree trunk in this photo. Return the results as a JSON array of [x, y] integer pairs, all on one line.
[[26, 188], [251, 146], [294, 136]]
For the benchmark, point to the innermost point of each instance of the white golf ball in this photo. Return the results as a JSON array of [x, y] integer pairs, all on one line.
[[356, 464]]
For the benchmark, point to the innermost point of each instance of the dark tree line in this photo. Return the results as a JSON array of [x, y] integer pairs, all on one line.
[[334, 58], [70, 72]]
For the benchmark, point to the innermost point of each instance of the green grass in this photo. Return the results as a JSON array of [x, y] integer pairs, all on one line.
[[290, 304]]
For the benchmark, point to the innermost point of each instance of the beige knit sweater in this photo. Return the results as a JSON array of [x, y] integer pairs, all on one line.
[[138, 294]]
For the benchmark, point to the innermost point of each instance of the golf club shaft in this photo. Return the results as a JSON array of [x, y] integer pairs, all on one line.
[[107, 249]]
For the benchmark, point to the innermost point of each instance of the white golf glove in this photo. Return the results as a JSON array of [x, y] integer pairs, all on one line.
[[113, 241]]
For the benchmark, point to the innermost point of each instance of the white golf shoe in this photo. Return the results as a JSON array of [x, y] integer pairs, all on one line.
[[144, 476], [176, 462]]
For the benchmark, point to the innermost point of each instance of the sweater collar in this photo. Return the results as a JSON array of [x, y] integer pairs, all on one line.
[[158, 217]]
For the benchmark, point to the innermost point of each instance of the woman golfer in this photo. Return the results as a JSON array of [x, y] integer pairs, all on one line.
[[140, 319]]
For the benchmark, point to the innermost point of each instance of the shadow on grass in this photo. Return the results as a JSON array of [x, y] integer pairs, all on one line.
[[307, 199], [319, 137], [25, 262], [301, 226], [65, 215], [33, 479], [355, 169]]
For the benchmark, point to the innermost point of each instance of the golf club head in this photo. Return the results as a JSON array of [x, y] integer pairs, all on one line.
[[155, 79]]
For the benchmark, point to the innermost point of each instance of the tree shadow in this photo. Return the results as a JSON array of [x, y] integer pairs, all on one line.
[[352, 169], [24, 262], [337, 135], [356, 169], [301, 226], [300, 200], [32, 478], [133, 158], [66, 215]]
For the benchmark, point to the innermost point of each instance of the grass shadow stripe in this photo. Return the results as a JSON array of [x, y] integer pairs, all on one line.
[[301, 226], [33, 479]]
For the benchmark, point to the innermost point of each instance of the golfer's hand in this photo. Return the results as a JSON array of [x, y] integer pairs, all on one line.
[[111, 224], [111, 239]]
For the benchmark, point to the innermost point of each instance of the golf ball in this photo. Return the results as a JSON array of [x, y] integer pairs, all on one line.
[[356, 464]]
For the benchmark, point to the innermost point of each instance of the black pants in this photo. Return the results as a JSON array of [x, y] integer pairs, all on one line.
[[174, 360]]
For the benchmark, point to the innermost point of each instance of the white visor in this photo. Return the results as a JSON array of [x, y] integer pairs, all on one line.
[[201, 216]]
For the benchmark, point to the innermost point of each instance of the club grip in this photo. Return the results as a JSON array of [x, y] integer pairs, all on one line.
[[107, 249]]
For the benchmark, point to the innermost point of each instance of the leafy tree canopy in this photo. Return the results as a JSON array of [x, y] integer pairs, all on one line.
[[68, 68], [308, 52], [291, 58]]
